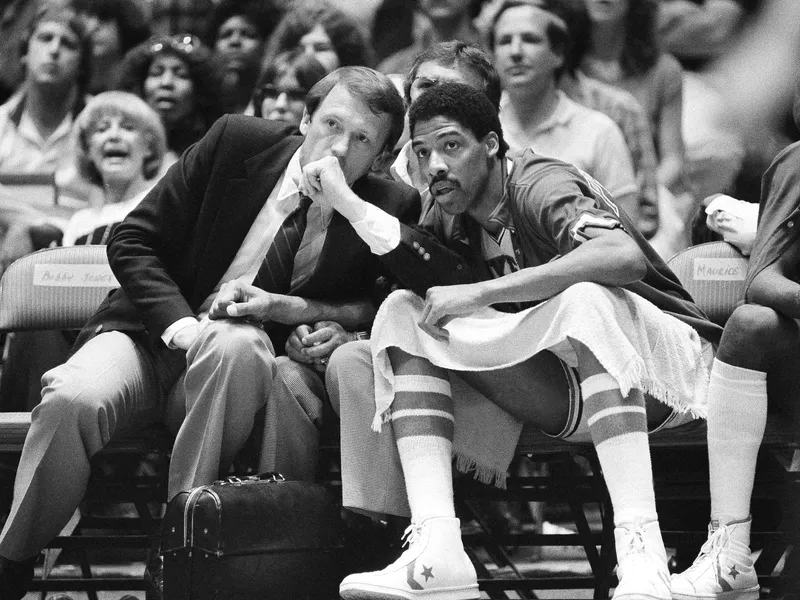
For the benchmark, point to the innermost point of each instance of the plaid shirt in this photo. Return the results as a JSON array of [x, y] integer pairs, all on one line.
[[625, 111]]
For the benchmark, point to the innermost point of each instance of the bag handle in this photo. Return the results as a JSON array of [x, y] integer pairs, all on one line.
[[270, 476]]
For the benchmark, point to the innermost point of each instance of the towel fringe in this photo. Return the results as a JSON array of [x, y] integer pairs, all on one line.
[[484, 474], [380, 419], [634, 379]]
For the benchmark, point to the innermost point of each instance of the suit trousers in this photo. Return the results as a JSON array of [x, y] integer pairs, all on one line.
[[113, 384], [372, 475]]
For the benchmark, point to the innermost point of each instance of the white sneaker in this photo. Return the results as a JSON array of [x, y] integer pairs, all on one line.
[[641, 563], [723, 569], [433, 567]]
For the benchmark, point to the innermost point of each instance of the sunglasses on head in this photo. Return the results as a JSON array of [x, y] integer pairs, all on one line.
[[182, 42], [272, 92]]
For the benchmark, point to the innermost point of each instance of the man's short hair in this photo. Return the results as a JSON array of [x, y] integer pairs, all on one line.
[[375, 89], [464, 104], [458, 55], [557, 30], [69, 15]]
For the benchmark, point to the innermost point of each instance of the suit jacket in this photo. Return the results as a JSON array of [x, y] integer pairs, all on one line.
[[174, 247]]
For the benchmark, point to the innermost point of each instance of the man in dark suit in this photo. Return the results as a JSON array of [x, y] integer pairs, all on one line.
[[230, 212]]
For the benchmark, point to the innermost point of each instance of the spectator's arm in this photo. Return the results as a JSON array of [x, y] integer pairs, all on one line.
[[691, 30], [670, 134]]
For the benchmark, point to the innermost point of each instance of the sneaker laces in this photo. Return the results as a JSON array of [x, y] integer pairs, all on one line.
[[636, 542], [641, 565], [411, 535], [636, 551], [718, 541]]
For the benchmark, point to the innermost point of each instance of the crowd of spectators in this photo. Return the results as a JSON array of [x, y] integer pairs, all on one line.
[[107, 95], [638, 62]]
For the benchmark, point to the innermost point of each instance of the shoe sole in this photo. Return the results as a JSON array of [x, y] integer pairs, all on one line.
[[748, 594], [374, 592]]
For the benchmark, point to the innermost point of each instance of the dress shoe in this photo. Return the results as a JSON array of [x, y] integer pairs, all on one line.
[[16, 577], [154, 575]]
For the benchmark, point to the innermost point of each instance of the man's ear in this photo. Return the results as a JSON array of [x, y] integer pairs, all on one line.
[[305, 122], [492, 143], [381, 161]]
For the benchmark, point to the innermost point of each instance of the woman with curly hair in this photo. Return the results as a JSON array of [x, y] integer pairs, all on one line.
[[624, 51], [177, 77], [325, 32], [238, 31]]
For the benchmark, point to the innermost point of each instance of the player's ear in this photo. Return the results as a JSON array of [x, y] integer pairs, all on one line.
[[305, 122], [492, 143]]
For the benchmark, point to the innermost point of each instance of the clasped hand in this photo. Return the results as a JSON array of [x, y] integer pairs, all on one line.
[[444, 303], [238, 299], [314, 345]]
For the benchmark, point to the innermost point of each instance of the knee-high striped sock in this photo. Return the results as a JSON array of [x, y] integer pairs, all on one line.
[[737, 416], [618, 427], [422, 420]]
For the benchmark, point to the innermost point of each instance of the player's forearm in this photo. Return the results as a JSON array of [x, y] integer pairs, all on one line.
[[613, 260]]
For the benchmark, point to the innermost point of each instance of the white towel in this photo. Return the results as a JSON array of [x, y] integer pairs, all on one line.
[[639, 346]]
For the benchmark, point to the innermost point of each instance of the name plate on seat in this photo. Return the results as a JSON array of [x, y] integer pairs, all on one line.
[[74, 275], [719, 269]]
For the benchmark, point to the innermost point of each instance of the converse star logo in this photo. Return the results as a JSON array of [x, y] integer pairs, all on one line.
[[412, 583], [427, 572], [733, 572]]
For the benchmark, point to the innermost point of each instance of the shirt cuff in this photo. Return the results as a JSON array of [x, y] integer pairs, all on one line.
[[169, 332], [380, 230]]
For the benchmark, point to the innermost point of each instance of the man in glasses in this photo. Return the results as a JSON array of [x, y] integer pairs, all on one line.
[[280, 94], [217, 265]]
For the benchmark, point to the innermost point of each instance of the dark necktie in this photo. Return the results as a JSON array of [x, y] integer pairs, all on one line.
[[275, 274]]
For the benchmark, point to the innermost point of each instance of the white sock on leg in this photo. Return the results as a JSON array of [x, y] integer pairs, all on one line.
[[737, 416], [427, 469]]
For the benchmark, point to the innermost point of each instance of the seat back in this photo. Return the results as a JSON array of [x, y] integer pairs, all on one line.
[[55, 288], [713, 273]]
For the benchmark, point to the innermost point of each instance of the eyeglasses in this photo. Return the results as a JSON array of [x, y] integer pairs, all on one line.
[[423, 83], [272, 92], [185, 43]]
